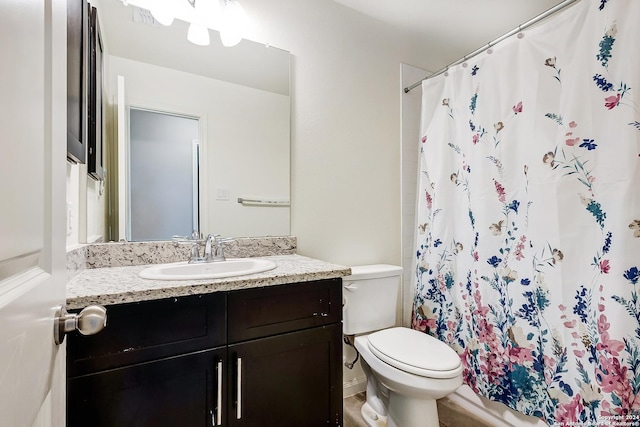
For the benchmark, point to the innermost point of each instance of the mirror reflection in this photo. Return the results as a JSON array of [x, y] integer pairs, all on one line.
[[163, 175], [239, 99]]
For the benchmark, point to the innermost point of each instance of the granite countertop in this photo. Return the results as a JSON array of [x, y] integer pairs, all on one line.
[[115, 285]]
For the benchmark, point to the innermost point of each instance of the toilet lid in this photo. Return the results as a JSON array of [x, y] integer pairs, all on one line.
[[415, 352]]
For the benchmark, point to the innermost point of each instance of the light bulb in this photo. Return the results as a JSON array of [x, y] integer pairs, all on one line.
[[230, 37], [234, 21], [163, 12], [198, 34]]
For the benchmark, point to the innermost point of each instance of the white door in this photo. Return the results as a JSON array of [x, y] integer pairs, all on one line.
[[32, 210]]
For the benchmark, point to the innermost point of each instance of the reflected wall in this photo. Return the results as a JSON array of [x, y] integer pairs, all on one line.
[[244, 143]]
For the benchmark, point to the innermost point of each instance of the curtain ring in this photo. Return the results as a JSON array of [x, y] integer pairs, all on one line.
[[489, 49]]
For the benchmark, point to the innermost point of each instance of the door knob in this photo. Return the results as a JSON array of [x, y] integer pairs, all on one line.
[[89, 321]]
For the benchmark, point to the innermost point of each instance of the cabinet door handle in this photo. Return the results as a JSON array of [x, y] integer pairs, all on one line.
[[239, 388], [219, 397]]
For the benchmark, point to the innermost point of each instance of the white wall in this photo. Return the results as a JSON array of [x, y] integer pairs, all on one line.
[[73, 203], [86, 205], [244, 142], [346, 190], [411, 105], [354, 379]]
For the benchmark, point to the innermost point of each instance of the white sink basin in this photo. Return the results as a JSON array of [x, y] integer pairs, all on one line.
[[209, 270]]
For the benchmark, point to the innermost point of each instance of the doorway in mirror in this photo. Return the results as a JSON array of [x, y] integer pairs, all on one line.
[[163, 175]]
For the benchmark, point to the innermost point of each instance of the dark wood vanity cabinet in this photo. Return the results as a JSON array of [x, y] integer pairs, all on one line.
[[257, 357], [285, 352], [155, 364]]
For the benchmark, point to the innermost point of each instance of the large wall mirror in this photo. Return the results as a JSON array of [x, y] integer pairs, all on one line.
[[239, 97]]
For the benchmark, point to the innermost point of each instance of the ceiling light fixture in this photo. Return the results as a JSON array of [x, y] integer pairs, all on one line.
[[163, 13], [227, 16], [198, 33], [234, 22]]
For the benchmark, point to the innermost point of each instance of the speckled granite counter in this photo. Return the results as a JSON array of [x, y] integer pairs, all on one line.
[[126, 254], [114, 285]]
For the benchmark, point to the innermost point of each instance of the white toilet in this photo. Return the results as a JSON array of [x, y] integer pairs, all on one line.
[[406, 370]]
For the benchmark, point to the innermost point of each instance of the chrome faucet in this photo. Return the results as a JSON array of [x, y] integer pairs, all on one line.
[[213, 251]]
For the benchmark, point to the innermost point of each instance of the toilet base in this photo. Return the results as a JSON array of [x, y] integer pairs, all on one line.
[[411, 412], [371, 417], [403, 412]]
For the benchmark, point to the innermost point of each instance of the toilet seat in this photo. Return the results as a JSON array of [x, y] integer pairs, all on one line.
[[415, 352]]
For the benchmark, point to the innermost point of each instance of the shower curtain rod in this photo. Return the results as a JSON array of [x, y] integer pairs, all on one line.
[[529, 23]]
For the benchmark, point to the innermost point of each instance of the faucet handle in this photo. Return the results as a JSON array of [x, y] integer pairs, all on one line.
[[195, 236], [220, 239], [216, 250], [195, 252]]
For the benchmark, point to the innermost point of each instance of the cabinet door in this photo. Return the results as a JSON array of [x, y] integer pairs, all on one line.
[[178, 391], [293, 379]]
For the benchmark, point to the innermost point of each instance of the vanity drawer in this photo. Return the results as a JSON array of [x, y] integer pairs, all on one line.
[[150, 330], [262, 312]]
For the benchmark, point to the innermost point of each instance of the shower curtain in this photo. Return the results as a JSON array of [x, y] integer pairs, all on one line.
[[528, 223]]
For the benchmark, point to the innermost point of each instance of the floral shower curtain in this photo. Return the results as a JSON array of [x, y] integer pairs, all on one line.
[[528, 234]]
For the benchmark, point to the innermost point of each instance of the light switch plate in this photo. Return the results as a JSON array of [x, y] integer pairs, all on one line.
[[222, 194]]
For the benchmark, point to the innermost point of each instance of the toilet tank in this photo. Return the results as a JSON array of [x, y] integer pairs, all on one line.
[[370, 297]]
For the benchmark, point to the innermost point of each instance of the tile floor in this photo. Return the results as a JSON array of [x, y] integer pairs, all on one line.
[[450, 414]]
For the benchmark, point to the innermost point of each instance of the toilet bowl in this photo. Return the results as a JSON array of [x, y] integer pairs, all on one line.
[[406, 370], [410, 385]]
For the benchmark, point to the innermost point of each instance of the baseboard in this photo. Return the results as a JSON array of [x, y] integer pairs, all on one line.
[[355, 386]]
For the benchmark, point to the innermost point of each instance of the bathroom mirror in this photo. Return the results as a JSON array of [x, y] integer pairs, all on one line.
[[240, 97]]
